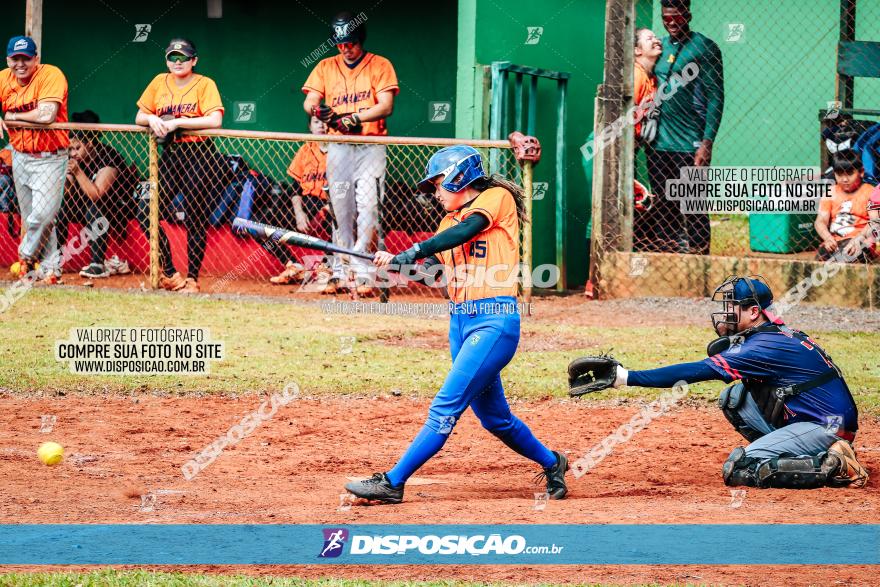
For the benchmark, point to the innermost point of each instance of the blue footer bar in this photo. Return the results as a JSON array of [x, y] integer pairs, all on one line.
[[472, 544]]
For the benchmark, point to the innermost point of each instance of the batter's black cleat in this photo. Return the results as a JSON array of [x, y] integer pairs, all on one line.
[[376, 488], [555, 476]]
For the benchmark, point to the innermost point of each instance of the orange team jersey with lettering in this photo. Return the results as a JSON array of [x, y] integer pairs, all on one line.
[[199, 97], [848, 211], [309, 169], [488, 265], [645, 88], [352, 90], [47, 84]]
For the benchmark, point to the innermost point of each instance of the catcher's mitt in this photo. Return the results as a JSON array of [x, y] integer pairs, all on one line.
[[589, 374], [525, 148]]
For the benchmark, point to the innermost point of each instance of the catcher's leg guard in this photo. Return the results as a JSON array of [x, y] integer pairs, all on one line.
[[739, 469], [798, 472], [731, 400]]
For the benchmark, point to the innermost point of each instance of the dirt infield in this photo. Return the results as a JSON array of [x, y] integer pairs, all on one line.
[[292, 467]]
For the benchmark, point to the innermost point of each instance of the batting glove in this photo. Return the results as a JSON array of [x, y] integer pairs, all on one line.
[[346, 124], [323, 113]]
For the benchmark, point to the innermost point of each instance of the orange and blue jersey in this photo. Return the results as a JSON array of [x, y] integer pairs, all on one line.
[[488, 265], [483, 337]]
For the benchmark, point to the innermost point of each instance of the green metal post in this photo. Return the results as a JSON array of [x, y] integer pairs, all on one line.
[[518, 98], [562, 85]]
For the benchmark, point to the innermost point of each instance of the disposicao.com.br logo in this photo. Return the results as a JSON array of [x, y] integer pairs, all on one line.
[[431, 544]]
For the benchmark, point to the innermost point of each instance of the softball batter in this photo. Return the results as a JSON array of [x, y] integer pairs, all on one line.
[[480, 231]]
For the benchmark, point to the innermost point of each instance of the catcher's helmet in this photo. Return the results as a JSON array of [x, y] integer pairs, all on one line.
[[744, 292], [345, 28], [460, 166]]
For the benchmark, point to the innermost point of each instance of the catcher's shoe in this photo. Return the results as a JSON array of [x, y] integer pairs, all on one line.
[[555, 476], [293, 273], [851, 472], [376, 488]]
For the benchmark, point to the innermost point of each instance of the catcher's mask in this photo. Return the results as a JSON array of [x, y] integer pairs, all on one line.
[[744, 292]]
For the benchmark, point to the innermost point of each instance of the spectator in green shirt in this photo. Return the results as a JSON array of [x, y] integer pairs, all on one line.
[[690, 114]]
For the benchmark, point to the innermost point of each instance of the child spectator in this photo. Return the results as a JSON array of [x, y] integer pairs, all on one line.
[[843, 218], [308, 171]]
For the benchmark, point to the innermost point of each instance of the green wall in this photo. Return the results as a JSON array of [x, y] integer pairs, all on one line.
[[254, 53], [572, 41]]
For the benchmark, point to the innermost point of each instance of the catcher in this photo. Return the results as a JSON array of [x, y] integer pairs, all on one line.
[[790, 401]]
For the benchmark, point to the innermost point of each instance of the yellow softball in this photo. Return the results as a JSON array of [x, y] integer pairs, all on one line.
[[51, 453], [16, 269]]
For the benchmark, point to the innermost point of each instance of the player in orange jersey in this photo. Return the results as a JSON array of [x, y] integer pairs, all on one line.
[[357, 89], [36, 93], [191, 165]]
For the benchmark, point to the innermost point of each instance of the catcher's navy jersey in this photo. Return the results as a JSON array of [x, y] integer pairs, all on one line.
[[779, 360]]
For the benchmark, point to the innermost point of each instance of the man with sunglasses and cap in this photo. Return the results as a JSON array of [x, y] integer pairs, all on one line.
[[790, 402], [353, 93], [36, 93]]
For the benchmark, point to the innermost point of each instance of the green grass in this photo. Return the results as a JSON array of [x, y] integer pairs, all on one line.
[[730, 236], [113, 578], [271, 344]]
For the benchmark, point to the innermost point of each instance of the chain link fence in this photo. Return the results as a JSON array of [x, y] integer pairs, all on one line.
[[360, 195], [777, 103]]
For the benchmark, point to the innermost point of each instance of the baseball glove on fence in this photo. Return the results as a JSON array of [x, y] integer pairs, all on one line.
[[589, 374], [525, 148]]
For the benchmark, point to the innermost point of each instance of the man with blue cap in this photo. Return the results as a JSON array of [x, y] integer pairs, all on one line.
[[36, 94], [790, 402]]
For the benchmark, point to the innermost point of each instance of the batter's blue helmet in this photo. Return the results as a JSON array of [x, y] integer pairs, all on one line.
[[460, 166]]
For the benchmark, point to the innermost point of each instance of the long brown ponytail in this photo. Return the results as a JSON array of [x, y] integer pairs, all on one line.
[[499, 181]]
